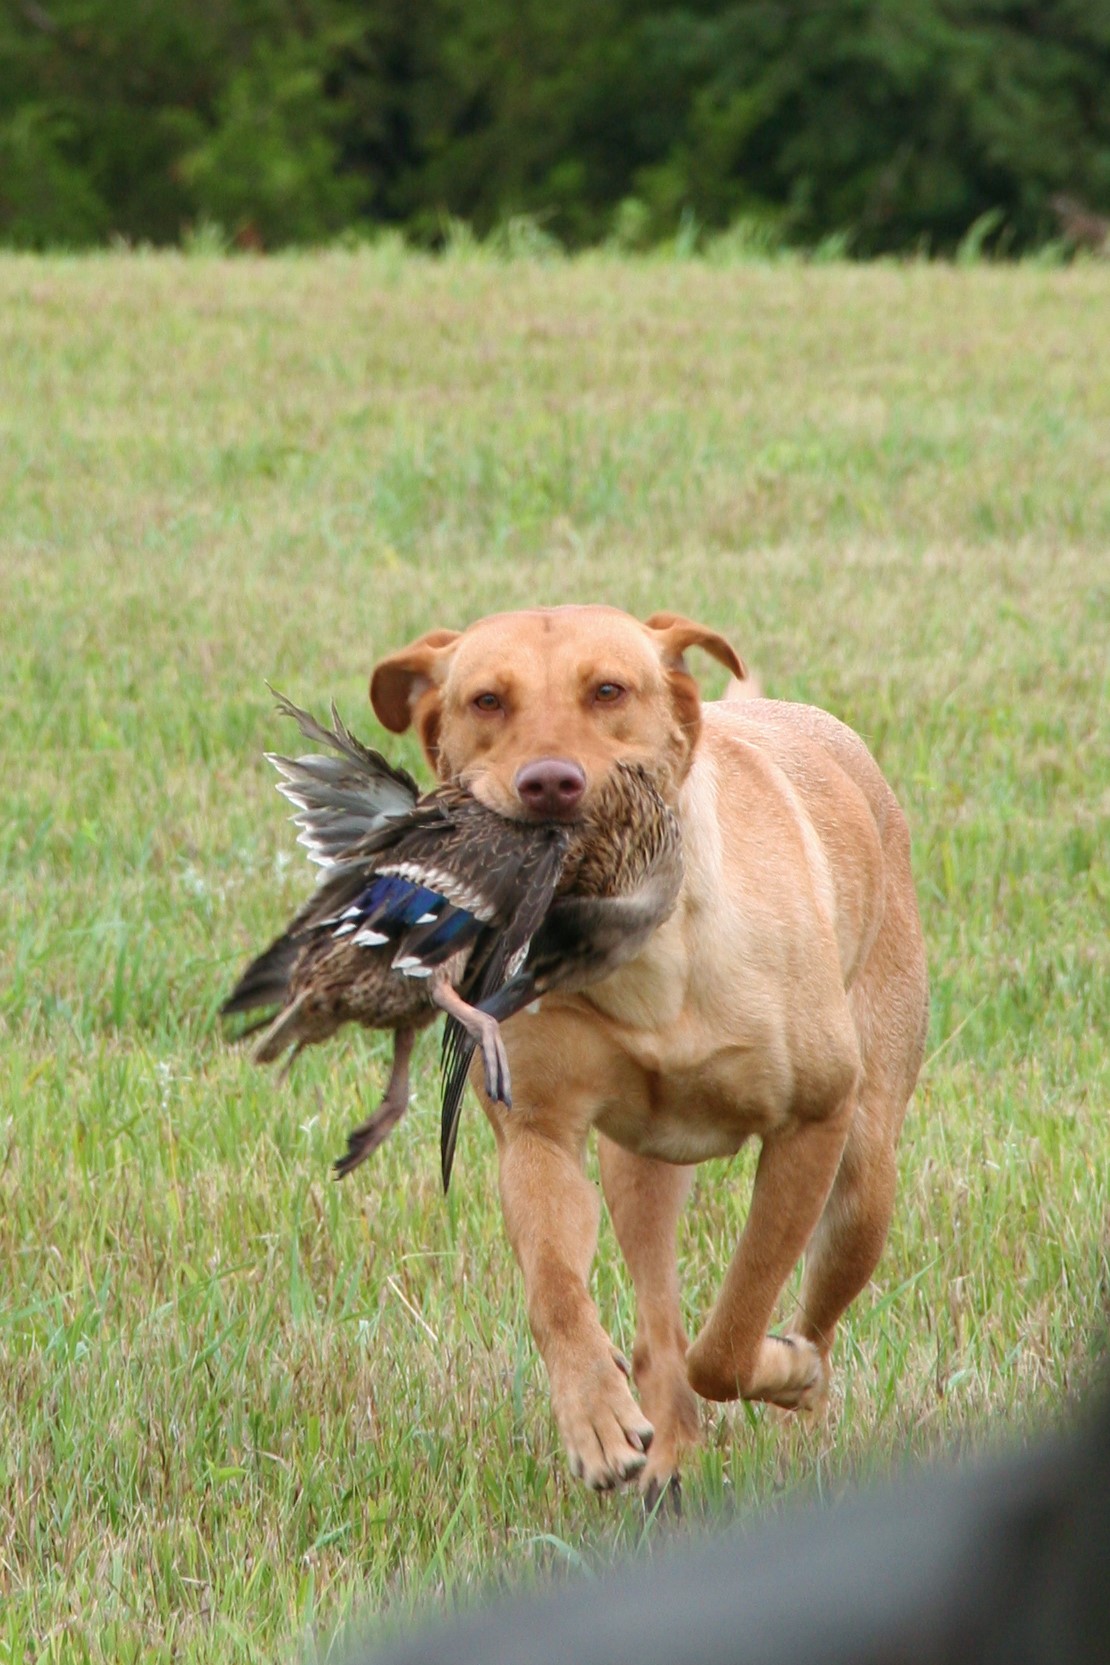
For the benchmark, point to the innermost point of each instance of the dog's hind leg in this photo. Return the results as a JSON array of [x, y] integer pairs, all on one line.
[[733, 1357], [889, 1003], [845, 1248], [645, 1198]]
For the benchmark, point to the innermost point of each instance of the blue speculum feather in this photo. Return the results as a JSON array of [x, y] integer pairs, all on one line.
[[396, 902], [391, 907], [457, 923]]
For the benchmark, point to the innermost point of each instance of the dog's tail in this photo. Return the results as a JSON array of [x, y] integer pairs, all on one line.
[[749, 689]]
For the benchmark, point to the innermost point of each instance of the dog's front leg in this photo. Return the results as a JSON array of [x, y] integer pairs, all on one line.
[[551, 1210], [645, 1198]]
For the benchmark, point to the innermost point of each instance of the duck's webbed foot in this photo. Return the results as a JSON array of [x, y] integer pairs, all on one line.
[[375, 1130], [485, 1031]]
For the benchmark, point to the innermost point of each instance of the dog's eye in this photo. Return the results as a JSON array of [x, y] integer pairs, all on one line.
[[608, 693], [486, 702]]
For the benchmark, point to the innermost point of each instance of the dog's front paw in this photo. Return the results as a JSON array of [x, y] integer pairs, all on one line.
[[605, 1432], [671, 1405]]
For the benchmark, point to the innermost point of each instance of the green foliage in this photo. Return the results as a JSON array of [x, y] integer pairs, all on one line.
[[47, 198], [269, 168], [897, 123]]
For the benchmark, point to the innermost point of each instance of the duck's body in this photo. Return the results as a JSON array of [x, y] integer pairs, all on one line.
[[448, 892]]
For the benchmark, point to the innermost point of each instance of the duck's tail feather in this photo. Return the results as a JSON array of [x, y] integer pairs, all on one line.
[[265, 981], [284, 1031]]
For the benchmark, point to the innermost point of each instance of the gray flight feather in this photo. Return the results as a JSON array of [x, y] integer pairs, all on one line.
[[343, 799]]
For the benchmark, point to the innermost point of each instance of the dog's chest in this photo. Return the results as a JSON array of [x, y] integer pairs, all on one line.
[[695, 1080], [708, 1053], [692, 1114]]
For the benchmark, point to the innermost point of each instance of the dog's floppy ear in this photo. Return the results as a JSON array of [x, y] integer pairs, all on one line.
[[676, 634], [673, 635], [405, 687]]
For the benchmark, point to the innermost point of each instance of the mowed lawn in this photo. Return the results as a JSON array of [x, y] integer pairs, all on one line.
[[242, 1406]]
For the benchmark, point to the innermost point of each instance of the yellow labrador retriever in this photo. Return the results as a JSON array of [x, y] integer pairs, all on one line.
[[785, 998]]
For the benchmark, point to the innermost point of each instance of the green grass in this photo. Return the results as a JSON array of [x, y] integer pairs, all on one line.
[[241, 1406]]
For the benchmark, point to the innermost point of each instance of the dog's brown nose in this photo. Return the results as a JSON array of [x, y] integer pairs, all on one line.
[[551, 787]]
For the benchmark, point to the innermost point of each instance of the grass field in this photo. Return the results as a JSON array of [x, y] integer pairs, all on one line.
[[242, 1407]]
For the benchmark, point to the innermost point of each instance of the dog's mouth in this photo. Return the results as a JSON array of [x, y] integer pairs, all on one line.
[[544, 790], [555, 790]]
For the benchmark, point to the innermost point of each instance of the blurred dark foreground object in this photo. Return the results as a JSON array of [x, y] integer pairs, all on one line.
[[998, 1562]]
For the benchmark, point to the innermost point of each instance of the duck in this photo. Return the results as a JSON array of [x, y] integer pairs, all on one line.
[[423, 898], [620, 880]]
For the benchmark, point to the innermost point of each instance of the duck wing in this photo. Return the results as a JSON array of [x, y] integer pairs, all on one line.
[[339, 799], [422, 889]]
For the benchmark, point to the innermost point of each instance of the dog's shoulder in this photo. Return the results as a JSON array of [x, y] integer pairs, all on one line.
[[808, 744]]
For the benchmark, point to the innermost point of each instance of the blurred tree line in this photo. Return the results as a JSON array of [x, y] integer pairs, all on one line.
[[896, 122]]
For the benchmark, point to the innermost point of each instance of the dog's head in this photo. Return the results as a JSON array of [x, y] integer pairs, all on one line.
[[531, 710]]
